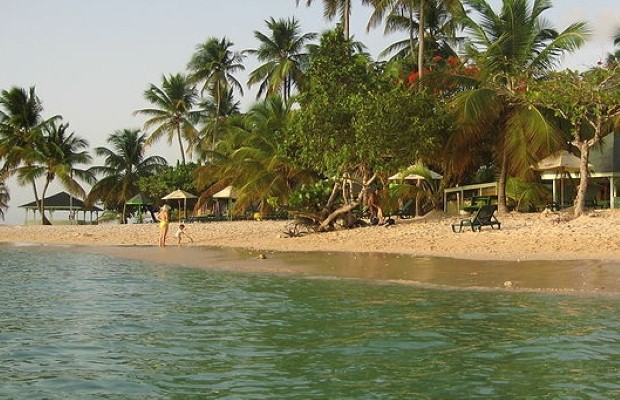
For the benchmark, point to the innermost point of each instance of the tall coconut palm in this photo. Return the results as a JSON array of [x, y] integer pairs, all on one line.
[[57, 155], [124, 164], [510, 47], [399, 13], [21, 126], [342, 8], [213, 65], [282, 52], [174, 115], [4, 199], [216, 121], [441, 32]]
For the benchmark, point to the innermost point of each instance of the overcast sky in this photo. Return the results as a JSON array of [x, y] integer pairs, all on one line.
[[91, 61]]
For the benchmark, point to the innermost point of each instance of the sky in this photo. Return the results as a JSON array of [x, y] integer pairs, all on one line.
[[91, 61]]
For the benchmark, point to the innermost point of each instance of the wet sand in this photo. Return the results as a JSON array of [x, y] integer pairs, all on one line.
[[537, 252], [601, 277]]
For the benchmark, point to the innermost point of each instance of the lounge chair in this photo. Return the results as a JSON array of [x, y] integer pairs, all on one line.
[[406, 211], [483, 217]]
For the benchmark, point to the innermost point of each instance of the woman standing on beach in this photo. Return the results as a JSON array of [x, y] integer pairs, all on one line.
[[164, 221]]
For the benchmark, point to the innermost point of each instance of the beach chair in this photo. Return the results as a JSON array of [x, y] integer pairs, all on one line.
[[483, 217], [407, 210]]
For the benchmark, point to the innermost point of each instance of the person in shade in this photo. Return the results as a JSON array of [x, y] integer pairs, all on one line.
[[376, 212]]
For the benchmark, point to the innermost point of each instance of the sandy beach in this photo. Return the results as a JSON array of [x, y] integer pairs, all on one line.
[[518, 255]]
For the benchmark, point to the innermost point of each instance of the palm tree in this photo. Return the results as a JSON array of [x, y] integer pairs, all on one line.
[[282, 53], [442, 27], [250, 160], [216, 121], [56, 155], [213, 64], [423, 8], [21, 126], [4, 198], [124, 164], [510, 47], [614, 57], [340, 7], [173, 115]]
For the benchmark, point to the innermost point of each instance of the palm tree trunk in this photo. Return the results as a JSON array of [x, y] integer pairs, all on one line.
[[217, 113], [502, 207], [346, 18], [40, 205], [421, 40], [411, 36], [181, 143]]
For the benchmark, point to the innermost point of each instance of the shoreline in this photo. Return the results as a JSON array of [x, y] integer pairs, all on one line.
[[595, 236], [559, 277], [532, 252]]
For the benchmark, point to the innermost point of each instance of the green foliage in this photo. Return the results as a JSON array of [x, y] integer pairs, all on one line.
[[311, 198], [587, 101], [395, 125], [323, 133], [168, 179], [354, 113], [527, 196]]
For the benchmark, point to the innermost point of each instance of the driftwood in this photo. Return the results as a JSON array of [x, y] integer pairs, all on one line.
[[300, 226]]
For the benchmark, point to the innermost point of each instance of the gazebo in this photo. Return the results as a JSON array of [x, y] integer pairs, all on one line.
[[65, 203]]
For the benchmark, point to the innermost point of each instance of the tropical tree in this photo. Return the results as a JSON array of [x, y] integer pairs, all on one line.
[[215, 121], [590, 103], [4, 198], [342, 8], [441, 17], [57, 155], [509, 47], [283, 57], [440, 35], [213, 65], [21, 126], [355, 124], [614, 58], [253, 161], [174, 115], [124, 164]]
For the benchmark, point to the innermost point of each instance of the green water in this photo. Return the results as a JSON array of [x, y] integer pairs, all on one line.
[[82, 326]]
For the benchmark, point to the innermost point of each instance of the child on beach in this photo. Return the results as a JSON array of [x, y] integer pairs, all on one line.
[[180, 233]]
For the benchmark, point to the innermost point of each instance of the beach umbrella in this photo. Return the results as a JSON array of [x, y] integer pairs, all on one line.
[[562, 163], [229, 193], [180, 195], [399, 176], [139, 200]]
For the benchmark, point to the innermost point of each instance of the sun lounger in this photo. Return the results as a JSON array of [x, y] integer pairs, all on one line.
[[483, 217]]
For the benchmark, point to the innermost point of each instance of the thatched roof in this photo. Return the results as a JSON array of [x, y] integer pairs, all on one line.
[[61, 201]]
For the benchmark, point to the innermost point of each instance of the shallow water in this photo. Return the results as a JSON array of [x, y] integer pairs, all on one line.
[[75, 325]]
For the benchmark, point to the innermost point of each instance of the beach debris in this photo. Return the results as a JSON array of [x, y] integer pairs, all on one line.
[[261, 256], [508, 284]]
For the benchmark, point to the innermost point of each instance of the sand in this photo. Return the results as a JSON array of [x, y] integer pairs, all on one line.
[[585, 251]]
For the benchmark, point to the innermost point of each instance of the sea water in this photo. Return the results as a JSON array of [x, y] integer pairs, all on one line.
[[80, 326]]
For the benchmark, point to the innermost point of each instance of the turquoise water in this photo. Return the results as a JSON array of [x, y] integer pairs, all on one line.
[[81, 326]]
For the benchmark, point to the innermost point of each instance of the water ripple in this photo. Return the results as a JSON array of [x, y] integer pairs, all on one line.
[[76, 326]]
